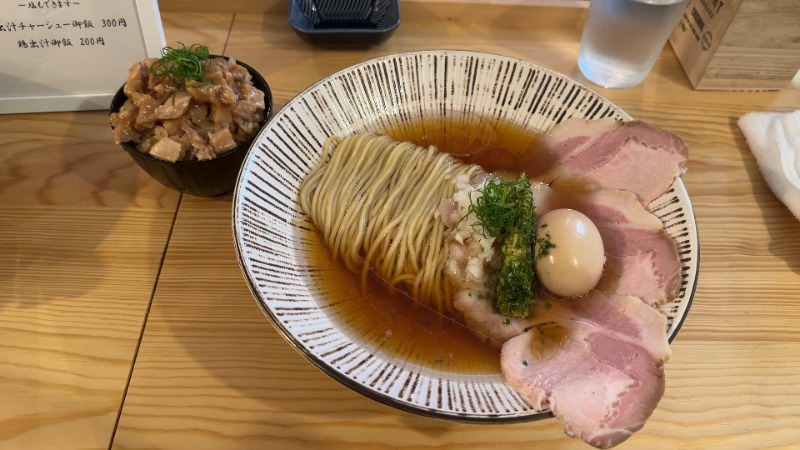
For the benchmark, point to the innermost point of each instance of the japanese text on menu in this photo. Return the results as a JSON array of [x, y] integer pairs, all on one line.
[[45, 25]]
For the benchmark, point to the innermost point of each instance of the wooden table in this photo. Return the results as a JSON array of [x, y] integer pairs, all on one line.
[[125, 321]]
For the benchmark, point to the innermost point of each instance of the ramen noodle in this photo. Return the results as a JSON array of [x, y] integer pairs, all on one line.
[[375, 200]]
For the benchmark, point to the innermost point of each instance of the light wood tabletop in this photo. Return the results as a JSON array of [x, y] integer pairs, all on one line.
[[125, 321]]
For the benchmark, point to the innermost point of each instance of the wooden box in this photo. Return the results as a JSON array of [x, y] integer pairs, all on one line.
[[739, 44]]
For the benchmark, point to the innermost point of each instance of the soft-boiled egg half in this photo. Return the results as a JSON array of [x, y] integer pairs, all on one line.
[[574, 263]]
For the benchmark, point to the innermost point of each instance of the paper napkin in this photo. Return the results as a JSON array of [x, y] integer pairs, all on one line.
[[774, 139]]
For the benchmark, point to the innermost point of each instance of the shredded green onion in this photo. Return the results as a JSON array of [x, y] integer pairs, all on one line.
[[505, 210], [504, 203], [181, 65]]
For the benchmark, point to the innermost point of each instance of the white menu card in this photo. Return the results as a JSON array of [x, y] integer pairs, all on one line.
[[70, 55]]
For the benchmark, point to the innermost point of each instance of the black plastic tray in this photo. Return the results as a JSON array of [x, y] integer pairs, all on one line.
[[344, 23]]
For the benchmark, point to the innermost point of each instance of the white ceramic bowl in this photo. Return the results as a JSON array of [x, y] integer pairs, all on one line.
[[372, 96]]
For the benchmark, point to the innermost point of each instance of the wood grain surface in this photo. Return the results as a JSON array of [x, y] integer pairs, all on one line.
[[96, 256], [83, 234]]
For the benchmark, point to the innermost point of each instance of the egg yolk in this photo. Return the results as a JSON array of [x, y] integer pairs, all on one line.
[[574, 263]]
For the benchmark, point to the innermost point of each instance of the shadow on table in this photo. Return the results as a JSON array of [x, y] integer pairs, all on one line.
[[76, 212]]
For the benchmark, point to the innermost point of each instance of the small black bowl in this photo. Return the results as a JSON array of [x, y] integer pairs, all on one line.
[[341, 23], [206, 178]]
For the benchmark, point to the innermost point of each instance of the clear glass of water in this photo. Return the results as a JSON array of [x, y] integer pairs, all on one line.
[[623, 38]]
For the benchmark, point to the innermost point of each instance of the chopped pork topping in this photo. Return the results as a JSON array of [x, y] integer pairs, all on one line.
[[166, 149], [204, 120], [221, 141], [176, 107]]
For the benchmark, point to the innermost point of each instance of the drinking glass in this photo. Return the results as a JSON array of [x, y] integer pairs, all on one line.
[[622, 39]]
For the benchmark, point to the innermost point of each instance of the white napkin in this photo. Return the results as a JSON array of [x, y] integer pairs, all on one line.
[[774, 139]]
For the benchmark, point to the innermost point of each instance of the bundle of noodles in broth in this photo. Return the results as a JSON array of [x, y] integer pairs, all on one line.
[[374, 201]]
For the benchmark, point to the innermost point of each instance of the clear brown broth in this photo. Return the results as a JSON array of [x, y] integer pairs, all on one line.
[[392, 321], [496, 145]]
